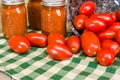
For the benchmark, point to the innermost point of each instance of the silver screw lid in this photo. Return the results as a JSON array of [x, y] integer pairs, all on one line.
[[12, 2], [53, 2]]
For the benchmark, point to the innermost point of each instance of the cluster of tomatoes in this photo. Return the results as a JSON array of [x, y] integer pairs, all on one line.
[[58, 47], [100, 37], [101, 33]]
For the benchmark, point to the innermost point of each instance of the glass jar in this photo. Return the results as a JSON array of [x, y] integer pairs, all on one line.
[[34, 14], [13, 17], [53, 17]]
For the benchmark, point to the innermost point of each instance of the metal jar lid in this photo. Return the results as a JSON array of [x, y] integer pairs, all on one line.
[[12, 2], [53, 2]]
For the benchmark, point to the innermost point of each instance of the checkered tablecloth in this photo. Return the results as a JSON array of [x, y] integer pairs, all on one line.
[[37, 65]]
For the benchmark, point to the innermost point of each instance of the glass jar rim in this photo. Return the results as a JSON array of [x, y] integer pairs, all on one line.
[[53, 2], [12, 2]]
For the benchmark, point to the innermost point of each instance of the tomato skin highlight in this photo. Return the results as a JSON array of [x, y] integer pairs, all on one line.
[[73, 42], [95, 24], [37, 39], [19, 44], [90, 43], [79, 21], [106, 57], [55, 37], [59, 51], [87, 8]]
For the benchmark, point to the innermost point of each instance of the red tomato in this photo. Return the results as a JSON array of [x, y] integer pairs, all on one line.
[[106, 56], [19, 44], [87, 8], [74, 43], [111, 44], [117, 36], [115, 26], [114, 15], [118, 14], [37, 39], [79, 21], [105, 17], [59, 51], [95, 24], [106, 34], [90, 43], [56, 37]]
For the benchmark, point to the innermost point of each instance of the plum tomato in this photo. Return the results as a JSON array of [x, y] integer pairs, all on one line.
[[79, 21], [87, 8], [56, 37], [73, 42], [106, 34], [117, 36], [19, 44], [115, 26], [90, 43], [111, 44], [105, 17], [59, 51], [105, 56], [95, 24], [37, 39]]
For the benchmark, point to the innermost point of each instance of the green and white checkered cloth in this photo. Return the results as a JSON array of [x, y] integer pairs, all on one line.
[[37, 65]]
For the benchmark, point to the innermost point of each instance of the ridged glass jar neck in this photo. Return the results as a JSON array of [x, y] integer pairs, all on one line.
[[12, 2], [53, 2]]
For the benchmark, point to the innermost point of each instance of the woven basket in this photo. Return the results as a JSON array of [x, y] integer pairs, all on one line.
[[102, 6]]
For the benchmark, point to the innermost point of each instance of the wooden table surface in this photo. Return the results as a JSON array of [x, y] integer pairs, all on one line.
[[4, 76]]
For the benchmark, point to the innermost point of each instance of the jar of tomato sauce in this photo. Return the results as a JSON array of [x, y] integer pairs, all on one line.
[[53, 17], [34, 14], [13, 17]]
